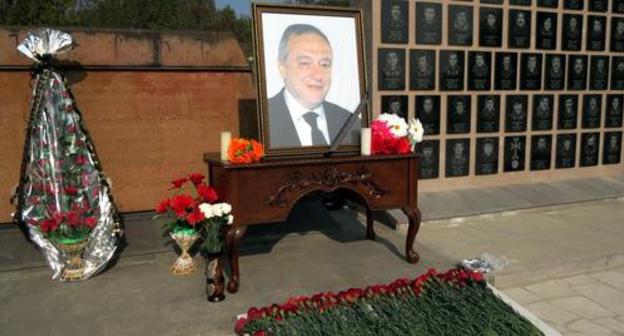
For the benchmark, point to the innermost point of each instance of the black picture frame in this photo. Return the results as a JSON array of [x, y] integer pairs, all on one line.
[[612, 148], [546, 31], [595, 39], [541, 152], [391, 69], [486, 162], [599, 72], [614, 111], [428, 23], [479, 71], [565, 156], [506, 71], [429, 163], [555, 73], [516, 115], [452, 64], [617, 73], [394, 21], [457, 157], [590, 149], [531, 72], [422, 69], [460, 25], [428, 112], [519, 30], [395, 104], [577, 72], [592, 111], [458, 110], [617, 34], [488, 113], [567, 112], [543, 112], [490, 27], [572, 32], [514, 153]]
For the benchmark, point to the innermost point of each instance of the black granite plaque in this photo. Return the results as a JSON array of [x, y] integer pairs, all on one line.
[[592, 108], [519, 29], [457, 157], [612, 152], [490, 27], [598, 5], [394, 21], [515, 148], [516, 113], [546, 31], [506, 71], [540, 152], [520, 2], [428, 112], [479, 71], [566, 151], [452, 70], [391, 69], [573, 4], [577, 72], [617, 73], [460, 25], [617, 6], [488, 114], [599, 73], [613, 117], [590, 146], [617, 34], [487, 156], [596, 33], [430, 158], [568, 109], [543, 106], [494, 2], [554, 75], [422, 69], [458, 114], [572, 32], [531, 72], [548, 3], [428, 23], [395, 105]]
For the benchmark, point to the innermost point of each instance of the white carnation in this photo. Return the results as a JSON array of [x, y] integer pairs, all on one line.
[[227, 208], [230, 220], [206, 209], [416, 131], [217, 210], [397, 125]]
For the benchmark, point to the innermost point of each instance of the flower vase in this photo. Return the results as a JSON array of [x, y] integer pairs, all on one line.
[[184, 264], [213, 241], [74, 265]]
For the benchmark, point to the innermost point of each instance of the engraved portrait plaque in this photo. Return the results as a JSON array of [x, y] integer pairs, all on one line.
[[543, 106], [488, 114], [548, 3], [494, 2], [394, 21], [487, 156], [506, 71], [566, 151], [395, 105], [540, 152], [617, 73], [599, 73], [546, 30], [430, 158], [460, 25], [428, 23], [573, 4], [490, 27], [590, 146], [617, 34], [613, 117], [452, 70], [391, 69], [515, 147], [519, 29], [422, 69], [520, 2], [568, 109], [612, 152], [531, 72], [596, 33], [554, 75], [479, 70], [598, 5], [428, 112], [457, 157], [571, 34], [577, 72], [516, 113], [458, 114], [617, 6], [592, 108]]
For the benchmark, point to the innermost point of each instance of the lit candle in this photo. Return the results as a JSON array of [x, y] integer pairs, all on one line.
[[226, 137], [365, 146]]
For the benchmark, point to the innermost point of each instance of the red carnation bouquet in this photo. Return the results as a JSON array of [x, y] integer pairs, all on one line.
[[392, 135]]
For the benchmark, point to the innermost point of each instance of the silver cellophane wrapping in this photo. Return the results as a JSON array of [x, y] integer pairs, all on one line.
[[62, 185]]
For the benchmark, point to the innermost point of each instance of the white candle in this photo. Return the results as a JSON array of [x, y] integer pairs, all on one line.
[[365, 146], [226, 137]]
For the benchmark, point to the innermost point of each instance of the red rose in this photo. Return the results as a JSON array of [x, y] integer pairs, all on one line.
[[254, 313], [80, 160], [90, 222], [196, 178], [259, 333], [72, 218], [207, 193], [162, 206], [178, 183], [71, 190], [181, 203], [240, 325], [49, 224]]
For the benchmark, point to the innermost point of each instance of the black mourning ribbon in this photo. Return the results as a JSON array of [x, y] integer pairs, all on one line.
[[317, 136]]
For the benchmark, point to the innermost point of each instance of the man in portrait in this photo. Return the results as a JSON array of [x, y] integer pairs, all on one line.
[[567, 111], [599, 75], [614, 111], [487, 156], [596, 33], [577, 78], [598, 5], [490, 29], [395, 105], [460, 28], [540, 153], [428, 112], [617, 73], [299, 115], [516, 114], [531, 74], [573, 4], [428, 23], [392, 69], [547, 30], [520, 29], [566, 150], [591, 111], [429, 158], [542, 112], [555, 72], [458, 108], [394, 22], [422, 70], [612, 148], [479, 76], [572, 26], [617, 34], [489, 115], [457, 158], [589, 149], [452, 76], [506, 71]]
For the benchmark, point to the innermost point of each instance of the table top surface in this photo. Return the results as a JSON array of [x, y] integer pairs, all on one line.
[[215, 159]]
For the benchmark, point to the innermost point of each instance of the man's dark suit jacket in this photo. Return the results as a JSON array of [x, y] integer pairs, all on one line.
[[282, 131]]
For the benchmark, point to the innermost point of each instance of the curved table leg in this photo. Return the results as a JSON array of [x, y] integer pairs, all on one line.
[[370, 221], [413, 215], [235, 234]]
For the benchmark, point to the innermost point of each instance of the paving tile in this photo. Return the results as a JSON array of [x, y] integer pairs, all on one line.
[[521, 295], [581, 306], [552, 289], [582, 279], [604, 295], [585, 326], [611, 323], [551, 313], [613, 279]]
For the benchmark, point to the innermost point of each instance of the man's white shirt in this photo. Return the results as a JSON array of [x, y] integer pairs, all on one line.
[[304, 131]]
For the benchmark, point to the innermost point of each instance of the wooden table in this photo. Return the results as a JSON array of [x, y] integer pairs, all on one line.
[[266, 191]]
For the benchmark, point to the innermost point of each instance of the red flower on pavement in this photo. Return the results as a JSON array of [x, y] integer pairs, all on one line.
[[177, 184], [196, 178], [181, 203], [80, 160], [207, 193], [259, 333], [72, 218], [49, 224], [240, 325], [71, 190]]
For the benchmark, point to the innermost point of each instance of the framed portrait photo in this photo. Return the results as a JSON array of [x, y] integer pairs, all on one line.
[[311, 77]]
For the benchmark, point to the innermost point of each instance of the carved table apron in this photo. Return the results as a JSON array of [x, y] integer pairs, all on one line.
[[265, 192]]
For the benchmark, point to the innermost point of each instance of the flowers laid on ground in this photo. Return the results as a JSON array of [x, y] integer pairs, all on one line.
[[457, 302], [391, 134], [245, 151]]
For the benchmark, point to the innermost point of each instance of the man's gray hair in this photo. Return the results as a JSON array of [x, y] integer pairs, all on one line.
[[297, 29]]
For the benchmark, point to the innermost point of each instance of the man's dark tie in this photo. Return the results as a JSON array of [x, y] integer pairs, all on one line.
[[317, 136]]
